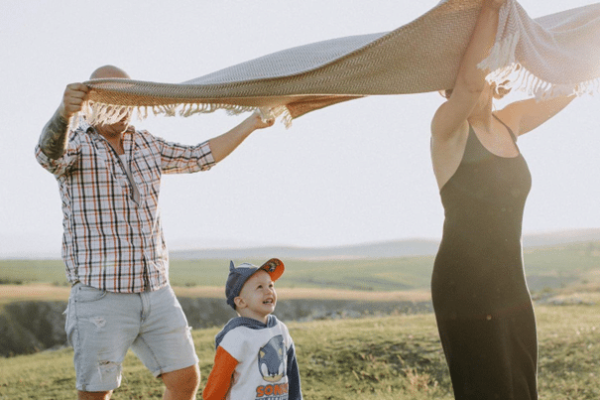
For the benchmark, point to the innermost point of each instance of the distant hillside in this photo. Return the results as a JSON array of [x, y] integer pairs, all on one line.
[[391, 249], [546, 267], [562, 237], [14, 248], [401, 248]]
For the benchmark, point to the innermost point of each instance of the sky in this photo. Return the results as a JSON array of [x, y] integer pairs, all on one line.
[[351, 173]]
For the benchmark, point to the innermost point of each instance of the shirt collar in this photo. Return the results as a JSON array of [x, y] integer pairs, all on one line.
[[127, 136]]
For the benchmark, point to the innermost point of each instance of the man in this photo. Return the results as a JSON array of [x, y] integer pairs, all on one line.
[[113, 247]]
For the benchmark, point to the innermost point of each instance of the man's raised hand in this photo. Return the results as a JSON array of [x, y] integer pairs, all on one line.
[[259, 123], [73, 99]]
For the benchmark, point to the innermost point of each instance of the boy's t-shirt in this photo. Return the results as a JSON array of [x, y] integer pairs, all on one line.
[[254, 361]]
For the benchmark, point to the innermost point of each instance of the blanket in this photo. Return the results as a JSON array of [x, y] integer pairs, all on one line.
[[548, 56]]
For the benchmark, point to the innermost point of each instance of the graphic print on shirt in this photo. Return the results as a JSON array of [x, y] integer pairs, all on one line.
[[271, 364], [271, 359]]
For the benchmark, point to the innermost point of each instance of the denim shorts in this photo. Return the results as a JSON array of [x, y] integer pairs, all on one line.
[[101, 326]]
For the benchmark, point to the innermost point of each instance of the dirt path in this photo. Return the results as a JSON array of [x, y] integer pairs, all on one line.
[[48, 292]]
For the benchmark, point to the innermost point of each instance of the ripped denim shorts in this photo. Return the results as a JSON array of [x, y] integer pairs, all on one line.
[[101, 326]]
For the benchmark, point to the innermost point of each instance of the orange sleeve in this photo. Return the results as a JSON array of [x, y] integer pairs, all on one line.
[[219, 379]]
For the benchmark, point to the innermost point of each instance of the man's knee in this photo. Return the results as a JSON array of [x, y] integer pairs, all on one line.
[[185, 379], [93, 395]]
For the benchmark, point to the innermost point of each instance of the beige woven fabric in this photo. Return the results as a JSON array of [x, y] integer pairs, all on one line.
[[557, 53], [552, 55]]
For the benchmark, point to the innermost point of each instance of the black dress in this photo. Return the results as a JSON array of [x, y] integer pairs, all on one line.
[[482, 304]]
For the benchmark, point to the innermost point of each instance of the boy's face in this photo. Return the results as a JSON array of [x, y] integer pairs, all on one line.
[[257, 298]]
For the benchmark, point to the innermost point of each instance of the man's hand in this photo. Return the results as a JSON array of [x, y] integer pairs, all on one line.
[[258, 121], [73, 99], [53, 140]]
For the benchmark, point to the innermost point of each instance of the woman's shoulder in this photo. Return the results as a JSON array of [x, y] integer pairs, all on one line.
[[509, 117]]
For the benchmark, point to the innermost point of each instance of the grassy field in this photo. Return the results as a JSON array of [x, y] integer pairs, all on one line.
[[371, 274], [49, 292], [397, 357], [550, 267]]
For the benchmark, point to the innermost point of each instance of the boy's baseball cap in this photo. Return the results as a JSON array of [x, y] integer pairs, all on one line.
[[240, 274]]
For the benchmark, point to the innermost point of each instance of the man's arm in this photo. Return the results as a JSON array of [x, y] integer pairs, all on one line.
[[53, 140], [222, 146], [179, 159]]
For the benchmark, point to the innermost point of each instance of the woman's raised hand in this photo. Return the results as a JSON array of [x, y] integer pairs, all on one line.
[[495, 3]]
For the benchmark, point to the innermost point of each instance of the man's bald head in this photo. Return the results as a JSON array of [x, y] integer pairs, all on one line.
[[109, 71]]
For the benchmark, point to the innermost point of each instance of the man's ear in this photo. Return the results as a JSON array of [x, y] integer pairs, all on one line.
[[239, 303]]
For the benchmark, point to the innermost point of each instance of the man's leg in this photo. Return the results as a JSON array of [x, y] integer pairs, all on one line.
[[101, 326], [165, 344], [93, 395], [181, 384]]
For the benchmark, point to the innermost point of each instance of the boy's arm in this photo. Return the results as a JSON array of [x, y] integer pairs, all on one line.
[[219, 379], [293, 375]]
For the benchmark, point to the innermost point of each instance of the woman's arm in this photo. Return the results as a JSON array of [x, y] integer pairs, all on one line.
[[470, 80], [526, 115]]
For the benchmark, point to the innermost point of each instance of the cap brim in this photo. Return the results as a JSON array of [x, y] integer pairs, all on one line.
[[274, 267]]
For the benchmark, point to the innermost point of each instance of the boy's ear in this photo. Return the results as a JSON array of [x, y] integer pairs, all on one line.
[[239, 303]]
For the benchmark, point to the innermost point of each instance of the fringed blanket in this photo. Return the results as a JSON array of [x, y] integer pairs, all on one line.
[[552, 55]]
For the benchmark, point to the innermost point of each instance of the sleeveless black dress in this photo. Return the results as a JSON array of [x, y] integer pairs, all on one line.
[[482, 304]]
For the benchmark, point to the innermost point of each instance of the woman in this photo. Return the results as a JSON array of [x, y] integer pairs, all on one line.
[[482, 304]]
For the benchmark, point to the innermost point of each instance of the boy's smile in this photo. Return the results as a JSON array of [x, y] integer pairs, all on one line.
[[258, 297]]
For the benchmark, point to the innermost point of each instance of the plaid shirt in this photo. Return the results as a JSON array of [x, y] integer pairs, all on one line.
[[111, 242]]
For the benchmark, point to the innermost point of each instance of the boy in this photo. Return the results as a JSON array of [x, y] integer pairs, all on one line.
[[255, 357]]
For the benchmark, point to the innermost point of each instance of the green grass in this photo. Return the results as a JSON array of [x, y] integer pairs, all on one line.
[[29, 271], [396, 357], [564, 264], [371, 274], [551, 267]]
